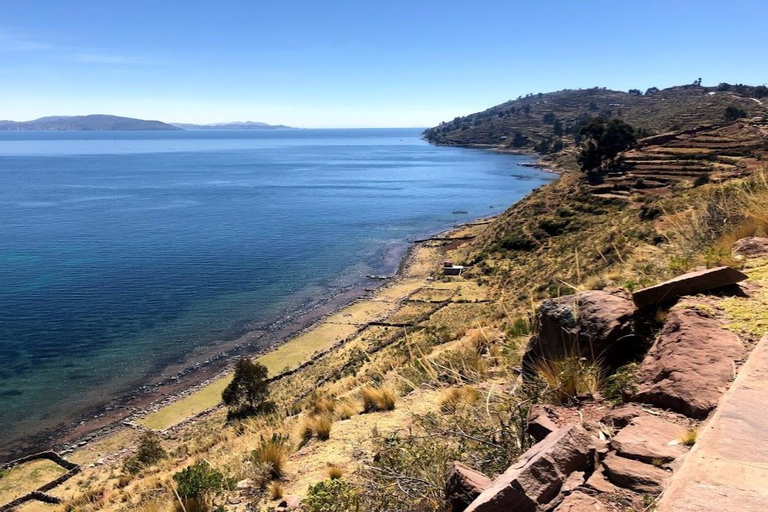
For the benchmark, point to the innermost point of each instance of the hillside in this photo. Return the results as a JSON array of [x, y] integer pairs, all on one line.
[[245, 125], [556, 117], [375, 402], [93, 122]]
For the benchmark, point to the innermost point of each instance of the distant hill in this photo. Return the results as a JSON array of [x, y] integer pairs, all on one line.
[[246, 125], [548, 121], [86, 123]]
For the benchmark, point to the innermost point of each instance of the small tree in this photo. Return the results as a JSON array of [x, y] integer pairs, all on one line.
[[651, 90], [604, 142], [247, 394], [733, 113], [636, 92], [519, 140], [150, 451]]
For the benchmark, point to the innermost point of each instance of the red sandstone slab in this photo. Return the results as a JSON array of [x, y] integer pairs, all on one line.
[[688, 284]]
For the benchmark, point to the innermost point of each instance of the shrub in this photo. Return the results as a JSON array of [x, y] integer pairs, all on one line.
[[196, 484], [331, 496], [247, 394], [623, 382], [377, 399], [150, 451], [271, 454]]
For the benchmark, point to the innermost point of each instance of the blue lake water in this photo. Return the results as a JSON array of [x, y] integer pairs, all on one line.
[[124, 252]]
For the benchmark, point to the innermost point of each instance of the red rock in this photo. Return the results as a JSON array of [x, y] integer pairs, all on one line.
[[634, 475], [462, 485], [690, 365], [580, 502], [620, 416], [573, 481], [540, 425], [688, 284], [599, 482], [593, 324], [537, 477], [751, 246], [647, 438]]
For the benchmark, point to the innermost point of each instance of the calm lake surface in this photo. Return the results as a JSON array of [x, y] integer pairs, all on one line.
[[122, 253]]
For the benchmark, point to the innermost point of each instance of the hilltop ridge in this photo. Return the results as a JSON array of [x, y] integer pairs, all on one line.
[[91, 122], [547, 122]]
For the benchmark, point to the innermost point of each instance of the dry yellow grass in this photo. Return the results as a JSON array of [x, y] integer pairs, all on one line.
[[377, 399]]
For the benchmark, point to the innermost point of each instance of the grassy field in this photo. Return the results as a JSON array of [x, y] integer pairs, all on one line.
[[27, 477]]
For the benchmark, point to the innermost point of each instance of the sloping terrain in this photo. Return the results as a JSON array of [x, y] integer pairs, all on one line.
[[525, 122], [689, 157]]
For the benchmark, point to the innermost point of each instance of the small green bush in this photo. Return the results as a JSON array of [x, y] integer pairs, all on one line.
[[623, 382], [150, 452], [200, 480], [334, 495]]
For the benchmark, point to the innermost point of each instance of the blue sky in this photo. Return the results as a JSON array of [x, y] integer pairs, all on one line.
[[356, 63]]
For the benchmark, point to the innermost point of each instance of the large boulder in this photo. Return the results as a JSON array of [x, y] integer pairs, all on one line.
[[690, 364], [751, 246], [537, 477], [462, 485], [649, 439], [634, 475], [688, 284], [596, 324]]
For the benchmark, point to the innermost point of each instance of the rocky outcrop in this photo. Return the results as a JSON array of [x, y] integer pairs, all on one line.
[[688, 284], [622, 415], [634, 475], [462, 485], [751, 246], [690, 365], [594, 324], [650, 439], [538, 476]]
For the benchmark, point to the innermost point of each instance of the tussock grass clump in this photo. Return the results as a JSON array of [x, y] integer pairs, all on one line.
[[345, 410], [569, 377], [275, 491], [452, 398], [377, 399], [689, 438], [335, 472], [271, 454], [316, 426], [323, 405]]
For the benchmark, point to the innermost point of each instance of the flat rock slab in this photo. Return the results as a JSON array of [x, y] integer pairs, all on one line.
[[536, 478], [649, 438], [634, 475], [689, 365], [580, 502], [727, 469], [688, 284]]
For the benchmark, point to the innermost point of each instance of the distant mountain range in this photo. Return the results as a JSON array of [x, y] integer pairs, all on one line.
[[86, 123], [97, 122], [246, 125]]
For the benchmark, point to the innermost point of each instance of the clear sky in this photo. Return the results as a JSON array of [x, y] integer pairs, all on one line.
[[356, 63]]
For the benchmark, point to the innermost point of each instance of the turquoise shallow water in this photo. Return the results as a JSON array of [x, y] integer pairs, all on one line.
[[124, 252]]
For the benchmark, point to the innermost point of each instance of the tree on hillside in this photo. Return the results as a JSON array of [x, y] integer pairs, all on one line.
[[636, 92], [651, 90], [519, 140], [603, 143], [247, 394], [557, 128], [733, 113]]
